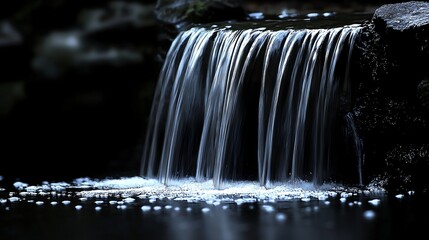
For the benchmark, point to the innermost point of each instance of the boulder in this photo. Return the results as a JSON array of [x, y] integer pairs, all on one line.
[[390, 94]]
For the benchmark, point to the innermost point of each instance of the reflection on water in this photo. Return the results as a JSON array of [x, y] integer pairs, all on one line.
[[136, 208]]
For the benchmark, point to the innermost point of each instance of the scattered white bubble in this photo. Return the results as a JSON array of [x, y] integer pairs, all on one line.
[[369, 214], [281, 217], [83, 199], [157, 208], [129, 200], [20, 185], [374, 202], [306, 199], [97, 208], [152, 200], [122, 207], [225, 207], [399, 196], [204, 210], [188, 209], [30, 201], [168, 207], [113, 202], [14, 199], [53, 203], [39, 203], [312, 15], [78, 207], [32, 188], [99, 202], [214, 26], [256, 15], [411, 192], [268, 208], [66, 202], [145, 208], [328, 14], [3, 200], [327, 202], [343, 199], [177, 209]]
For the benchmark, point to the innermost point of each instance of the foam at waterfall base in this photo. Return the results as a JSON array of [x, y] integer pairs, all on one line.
[[190, 190]]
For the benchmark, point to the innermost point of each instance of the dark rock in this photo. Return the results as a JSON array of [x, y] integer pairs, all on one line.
[[401, 17], [423, 93], [176, 15], [389, 97], [407, 168], [198, 11]]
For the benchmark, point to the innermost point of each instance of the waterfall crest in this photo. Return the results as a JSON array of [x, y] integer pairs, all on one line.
[[241, 104]]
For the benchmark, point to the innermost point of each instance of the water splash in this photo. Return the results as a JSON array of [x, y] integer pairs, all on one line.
[[242, 104]]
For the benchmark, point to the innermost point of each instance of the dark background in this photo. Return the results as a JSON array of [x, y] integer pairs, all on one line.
[[77, 83]]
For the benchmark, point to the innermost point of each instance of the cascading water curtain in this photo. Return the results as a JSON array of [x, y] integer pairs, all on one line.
[[232, 104]]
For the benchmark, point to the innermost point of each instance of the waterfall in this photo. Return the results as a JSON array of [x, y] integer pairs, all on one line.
[[248, 104]]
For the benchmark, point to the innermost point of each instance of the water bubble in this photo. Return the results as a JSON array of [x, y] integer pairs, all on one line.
[[39, 203], [20, 185], [328, 14], [122, 207], [399, 196], [54, 203], [145, 208], [281, 217], [311, 15], [256, 15], [204, 210], [369, 214], [97, 208], [78, 207], [374, 202], [14, 199], [66, 202], [129, 200], [157, 208], [268, 208]]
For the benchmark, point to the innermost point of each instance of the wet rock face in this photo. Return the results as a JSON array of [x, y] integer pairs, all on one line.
[[402, 16], [390, 99], [197, 11]]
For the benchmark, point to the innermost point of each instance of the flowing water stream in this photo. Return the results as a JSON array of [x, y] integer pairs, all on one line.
[[231, 104]]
